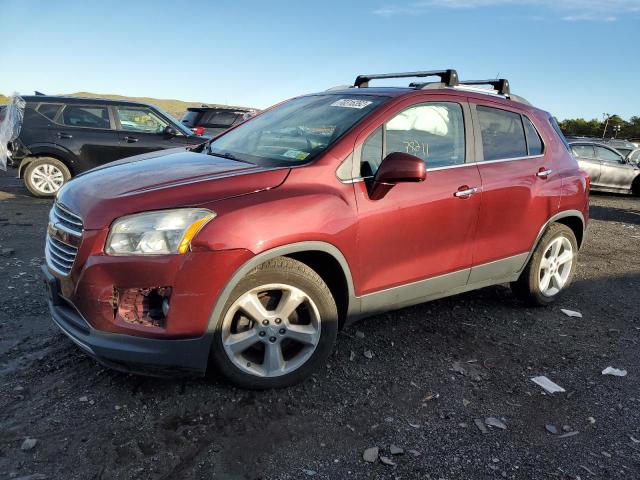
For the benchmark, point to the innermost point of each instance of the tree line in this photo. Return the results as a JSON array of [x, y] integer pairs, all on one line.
[[596, 128]]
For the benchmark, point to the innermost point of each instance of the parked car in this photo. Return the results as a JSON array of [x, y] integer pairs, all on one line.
[[608, 169], [64, 136], [213, 121], [624, 147], [325, 208]]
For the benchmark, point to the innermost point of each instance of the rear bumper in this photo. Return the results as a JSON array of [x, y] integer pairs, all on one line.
[[126, 352]]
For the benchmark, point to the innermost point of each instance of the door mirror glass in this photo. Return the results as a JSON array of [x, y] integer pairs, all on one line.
[[169, 131], [397, 167]]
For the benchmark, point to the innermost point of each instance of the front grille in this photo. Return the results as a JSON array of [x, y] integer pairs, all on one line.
[[63, 238]]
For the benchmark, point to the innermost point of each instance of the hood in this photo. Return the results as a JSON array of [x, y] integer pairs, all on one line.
[[165, 179]]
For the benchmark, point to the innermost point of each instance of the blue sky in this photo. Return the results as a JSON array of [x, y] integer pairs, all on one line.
[[571, 57]]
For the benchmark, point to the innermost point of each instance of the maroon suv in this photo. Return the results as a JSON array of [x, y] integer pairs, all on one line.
[[249, 253]]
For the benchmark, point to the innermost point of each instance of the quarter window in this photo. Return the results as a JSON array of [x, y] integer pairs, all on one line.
[[372, 153], [85, 116], [49, 110], [432, 131], [534, 142], [502, 134], [607, 155], [140, 120], [583, 151]]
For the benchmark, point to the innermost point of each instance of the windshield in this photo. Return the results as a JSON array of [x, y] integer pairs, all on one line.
[[297, 131]]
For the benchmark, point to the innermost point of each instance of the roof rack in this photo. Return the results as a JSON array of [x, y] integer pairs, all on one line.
[[448, 77], [500, 85]]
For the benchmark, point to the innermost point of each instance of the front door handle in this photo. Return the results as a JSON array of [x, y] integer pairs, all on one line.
[[544, 173], [64, 135], [465, 192], [130, 139]]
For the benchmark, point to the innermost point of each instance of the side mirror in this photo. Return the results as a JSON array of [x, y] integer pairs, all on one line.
[[397, 167], [169, 131]]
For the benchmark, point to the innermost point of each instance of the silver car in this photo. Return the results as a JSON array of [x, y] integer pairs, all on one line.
[[608, 169]]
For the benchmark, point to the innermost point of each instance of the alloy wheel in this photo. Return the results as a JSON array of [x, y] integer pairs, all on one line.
[[271, 330], [47, 178], [555, 266]]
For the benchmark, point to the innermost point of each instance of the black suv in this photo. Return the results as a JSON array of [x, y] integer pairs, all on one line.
[[64, 136], [214, 120]]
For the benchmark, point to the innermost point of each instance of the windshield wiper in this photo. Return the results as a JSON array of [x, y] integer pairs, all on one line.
[[229, 156]]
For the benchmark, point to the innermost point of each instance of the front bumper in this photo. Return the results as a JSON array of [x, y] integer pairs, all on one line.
[[127, 352]]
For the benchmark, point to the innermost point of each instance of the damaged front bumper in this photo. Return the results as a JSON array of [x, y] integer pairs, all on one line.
[[127, 352]]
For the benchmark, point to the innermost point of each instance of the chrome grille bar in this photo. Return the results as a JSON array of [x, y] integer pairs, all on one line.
[[59, 254], [65, 219]]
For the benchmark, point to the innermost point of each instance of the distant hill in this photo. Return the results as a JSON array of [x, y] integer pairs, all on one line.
[[174, 107]]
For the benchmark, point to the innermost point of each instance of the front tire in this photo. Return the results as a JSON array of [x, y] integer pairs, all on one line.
[[44, 176], [550, 269], [279, 325]]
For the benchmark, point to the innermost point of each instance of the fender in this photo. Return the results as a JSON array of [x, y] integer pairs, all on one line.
[[306, 246], [557, 216], [44, 149]]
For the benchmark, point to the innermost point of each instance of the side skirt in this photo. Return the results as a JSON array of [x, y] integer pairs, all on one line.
[[493, 273]]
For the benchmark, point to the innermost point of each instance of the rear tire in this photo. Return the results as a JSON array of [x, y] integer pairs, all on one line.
[[550, 269], [635, 186], [44, 176], [279, 325]]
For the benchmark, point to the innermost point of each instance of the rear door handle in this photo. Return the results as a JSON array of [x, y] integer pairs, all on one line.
[[465, 192], [544, 172], [64, 135], [130, 139]]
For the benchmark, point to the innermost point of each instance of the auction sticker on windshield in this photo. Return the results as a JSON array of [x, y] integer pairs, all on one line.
[[297, 154], [351, 103]]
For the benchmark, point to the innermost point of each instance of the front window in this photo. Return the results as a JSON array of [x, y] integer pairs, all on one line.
[[432, 131], [140, 120], [297, 131], [608, 155]]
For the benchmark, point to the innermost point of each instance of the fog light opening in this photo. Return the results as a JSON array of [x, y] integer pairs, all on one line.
[[147, 307]]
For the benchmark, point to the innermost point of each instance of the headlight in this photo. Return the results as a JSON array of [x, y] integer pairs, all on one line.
[[156, 233]]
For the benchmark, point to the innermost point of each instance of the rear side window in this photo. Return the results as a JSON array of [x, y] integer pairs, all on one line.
[[583, 151], [218, 118], [502, 134], [534, 142], [49, 110], [86, 116]]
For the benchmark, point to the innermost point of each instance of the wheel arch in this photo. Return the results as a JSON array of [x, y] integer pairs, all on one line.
[[39, 152], [326, 259], [572, 219]]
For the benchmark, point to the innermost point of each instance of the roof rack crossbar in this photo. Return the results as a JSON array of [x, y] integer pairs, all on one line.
[[501, 85], [448, 77]]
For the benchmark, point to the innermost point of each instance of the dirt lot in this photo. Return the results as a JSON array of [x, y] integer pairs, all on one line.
[[435, 369]]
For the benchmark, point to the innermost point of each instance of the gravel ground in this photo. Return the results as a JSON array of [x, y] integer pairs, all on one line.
[[436, 369]]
